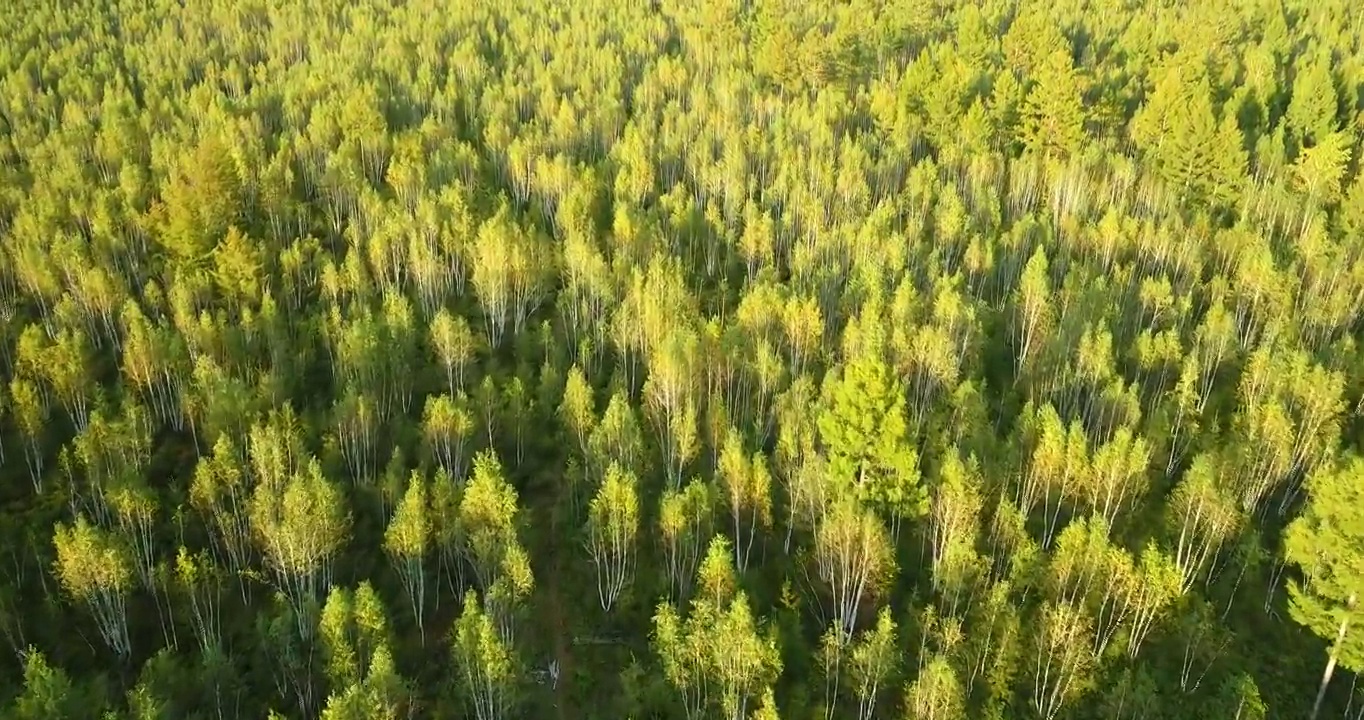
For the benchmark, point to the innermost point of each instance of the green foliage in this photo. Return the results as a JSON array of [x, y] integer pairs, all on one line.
[[486, 663], [48, 693], [1326, 543], [872, 359], [862, 427], [612, 524], [1053, 114], [717, 656], [1197, 155], [1312, 106], [201, 199]]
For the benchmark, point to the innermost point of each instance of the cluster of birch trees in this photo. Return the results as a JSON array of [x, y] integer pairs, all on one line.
[[742, 359]]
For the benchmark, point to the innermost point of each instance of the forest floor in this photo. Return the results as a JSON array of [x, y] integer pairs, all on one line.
[[562, 644], [556, 621]]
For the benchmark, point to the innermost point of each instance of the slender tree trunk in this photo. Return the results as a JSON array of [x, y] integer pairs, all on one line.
[[1331, 662]]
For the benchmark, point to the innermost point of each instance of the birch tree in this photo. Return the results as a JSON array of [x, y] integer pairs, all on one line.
[[613, 521], [67, 367], [954, 524], [94, 567], [873, 663], [221, 492], [668, 395], [1203, 517], [617, 438], [30, 414], [508, 267], [936, 694], [1119, 474], [685, 520], [1032, 312], [200, 579], [447, 426], [578, 410], [854, 560], [453, 343], [487, 515], [48, 692], [716, 657], [1063, 659], [447, 531], [154, 360], [300, 525], [488, 531], [408, 542], [485, 662], [352, 627], [748, 489]]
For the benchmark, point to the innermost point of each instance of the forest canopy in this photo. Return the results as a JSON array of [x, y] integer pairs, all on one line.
[[745, 359]]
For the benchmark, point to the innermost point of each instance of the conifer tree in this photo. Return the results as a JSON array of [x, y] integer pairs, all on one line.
[[1326, 543], [1053, 113]]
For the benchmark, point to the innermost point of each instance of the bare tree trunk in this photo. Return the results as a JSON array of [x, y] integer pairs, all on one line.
[[1331, 662]]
